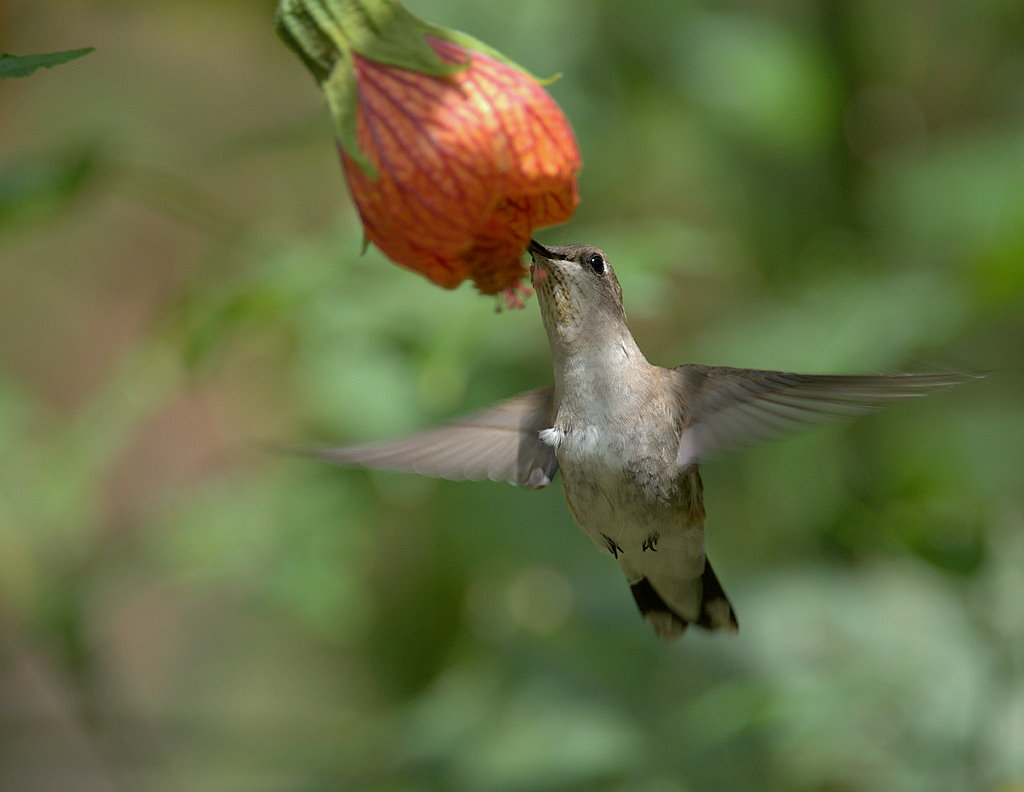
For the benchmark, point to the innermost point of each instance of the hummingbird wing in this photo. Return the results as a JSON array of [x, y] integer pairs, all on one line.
[[726, 408], [500, 443]]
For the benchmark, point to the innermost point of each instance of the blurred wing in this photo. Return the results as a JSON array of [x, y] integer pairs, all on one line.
[[500, 443], [728, 408]]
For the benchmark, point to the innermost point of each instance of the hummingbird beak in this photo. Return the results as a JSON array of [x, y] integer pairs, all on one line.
[[538, 254], [537, 249]]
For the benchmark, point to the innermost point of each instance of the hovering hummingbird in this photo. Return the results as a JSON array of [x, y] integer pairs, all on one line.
[[628, 436]]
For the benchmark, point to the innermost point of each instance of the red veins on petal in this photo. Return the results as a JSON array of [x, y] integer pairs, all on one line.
[[467, 167]]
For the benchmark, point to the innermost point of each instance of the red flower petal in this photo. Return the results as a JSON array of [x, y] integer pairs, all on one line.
[[467, 167]]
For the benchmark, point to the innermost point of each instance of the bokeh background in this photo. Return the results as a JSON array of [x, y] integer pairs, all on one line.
[[820, 186]]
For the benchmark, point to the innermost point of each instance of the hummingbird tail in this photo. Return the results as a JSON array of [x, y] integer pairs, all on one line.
[[715, 610]]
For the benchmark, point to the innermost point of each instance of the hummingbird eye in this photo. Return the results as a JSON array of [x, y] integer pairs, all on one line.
[[596, 263]]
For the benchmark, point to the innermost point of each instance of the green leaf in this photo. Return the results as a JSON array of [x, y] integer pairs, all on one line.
[[24, 65]]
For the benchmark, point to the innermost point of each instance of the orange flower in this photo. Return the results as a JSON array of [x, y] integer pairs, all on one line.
[[453, 155]]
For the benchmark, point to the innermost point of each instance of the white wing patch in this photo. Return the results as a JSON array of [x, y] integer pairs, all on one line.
[[552, 437]]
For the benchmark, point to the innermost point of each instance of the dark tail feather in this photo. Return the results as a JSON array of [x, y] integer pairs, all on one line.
[[715, 610], [663, 619]]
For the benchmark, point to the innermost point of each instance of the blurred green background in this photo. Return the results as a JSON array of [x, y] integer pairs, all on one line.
[[820, 186]]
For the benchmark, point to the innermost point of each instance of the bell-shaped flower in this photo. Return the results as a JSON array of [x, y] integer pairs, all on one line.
[[453, 154]]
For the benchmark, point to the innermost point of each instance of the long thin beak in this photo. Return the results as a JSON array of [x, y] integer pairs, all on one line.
[[537, 249]]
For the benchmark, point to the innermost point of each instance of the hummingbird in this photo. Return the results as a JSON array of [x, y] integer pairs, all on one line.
[[629, 436]]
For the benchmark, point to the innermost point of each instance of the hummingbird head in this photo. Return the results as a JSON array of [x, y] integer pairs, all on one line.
[[577, 291]]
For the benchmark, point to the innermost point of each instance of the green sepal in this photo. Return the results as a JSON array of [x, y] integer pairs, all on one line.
[[325, 34], [340, 91], [475, 44]]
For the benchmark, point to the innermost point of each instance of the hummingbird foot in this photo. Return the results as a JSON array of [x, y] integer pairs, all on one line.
[[613, 548]]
